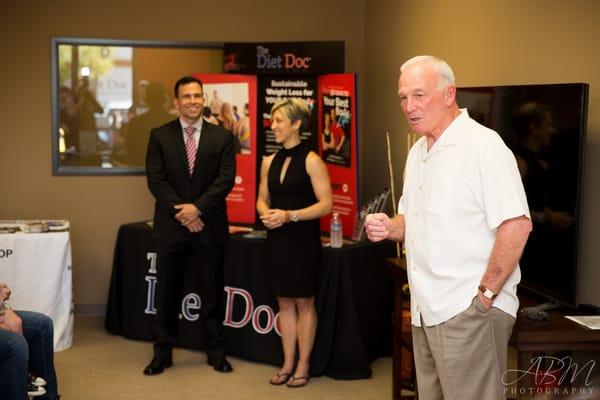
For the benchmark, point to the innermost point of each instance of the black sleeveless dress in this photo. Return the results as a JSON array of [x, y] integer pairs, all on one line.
[[294, 249]]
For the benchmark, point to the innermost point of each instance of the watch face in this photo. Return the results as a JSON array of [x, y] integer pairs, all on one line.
[[487, 292]]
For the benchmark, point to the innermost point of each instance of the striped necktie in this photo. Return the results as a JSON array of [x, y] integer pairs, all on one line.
[[190, 147]]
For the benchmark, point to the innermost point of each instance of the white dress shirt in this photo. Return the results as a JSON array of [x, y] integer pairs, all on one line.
[[454, 198]]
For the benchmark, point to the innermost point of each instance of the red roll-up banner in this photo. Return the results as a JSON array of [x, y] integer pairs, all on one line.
[[337, 138]]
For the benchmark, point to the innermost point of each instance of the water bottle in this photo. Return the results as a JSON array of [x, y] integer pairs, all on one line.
[[335, 231]]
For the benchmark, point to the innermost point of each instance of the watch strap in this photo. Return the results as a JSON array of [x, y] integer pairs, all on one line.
[[487, 292]]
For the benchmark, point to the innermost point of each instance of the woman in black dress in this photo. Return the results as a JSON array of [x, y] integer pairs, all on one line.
[[294, 193]]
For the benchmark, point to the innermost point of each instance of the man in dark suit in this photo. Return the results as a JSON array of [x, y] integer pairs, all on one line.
[[190, 166]]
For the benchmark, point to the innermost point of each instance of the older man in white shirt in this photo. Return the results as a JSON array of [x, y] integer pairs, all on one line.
[[464, 219]]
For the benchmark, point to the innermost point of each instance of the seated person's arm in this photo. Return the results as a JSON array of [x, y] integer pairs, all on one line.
[[10, 321], [4, 292]]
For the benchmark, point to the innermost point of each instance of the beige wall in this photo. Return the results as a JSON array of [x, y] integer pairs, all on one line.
[[504, 42], [167, 65], [486, 43], [96, 206]]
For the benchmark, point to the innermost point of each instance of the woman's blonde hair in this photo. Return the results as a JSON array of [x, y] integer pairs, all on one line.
[[295, 109]]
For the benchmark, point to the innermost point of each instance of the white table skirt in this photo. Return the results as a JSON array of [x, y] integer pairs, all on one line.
[[37, 268]]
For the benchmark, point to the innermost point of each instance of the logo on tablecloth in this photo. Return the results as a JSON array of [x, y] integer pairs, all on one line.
[[240, 309], [262, 318]]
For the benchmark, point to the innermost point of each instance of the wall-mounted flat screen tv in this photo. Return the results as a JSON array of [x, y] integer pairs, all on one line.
[[545, 127]]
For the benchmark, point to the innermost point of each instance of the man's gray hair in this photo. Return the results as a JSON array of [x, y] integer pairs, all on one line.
[[444, 72]]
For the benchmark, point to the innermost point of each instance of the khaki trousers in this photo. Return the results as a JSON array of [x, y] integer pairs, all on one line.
[[463, 358]]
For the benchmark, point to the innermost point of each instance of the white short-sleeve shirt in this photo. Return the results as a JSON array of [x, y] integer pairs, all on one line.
[[455, 197]]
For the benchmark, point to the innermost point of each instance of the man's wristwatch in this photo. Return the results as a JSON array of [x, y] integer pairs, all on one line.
[[487, 292]]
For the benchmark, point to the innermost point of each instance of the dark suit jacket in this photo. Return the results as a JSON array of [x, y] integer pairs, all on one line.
[[170, 182]]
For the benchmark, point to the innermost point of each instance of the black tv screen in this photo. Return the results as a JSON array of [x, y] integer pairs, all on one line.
[[545, 127]]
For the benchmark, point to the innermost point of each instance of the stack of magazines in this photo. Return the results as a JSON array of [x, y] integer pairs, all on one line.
[[375, 205], [34, 226]]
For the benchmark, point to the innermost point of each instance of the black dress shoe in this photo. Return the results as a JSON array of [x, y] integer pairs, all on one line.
[[157, 366], [220, 364]]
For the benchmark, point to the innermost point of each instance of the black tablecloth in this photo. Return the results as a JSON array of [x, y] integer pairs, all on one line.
[[354, 303]]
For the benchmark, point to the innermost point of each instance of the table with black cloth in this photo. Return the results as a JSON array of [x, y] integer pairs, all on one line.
[[354, 303]]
